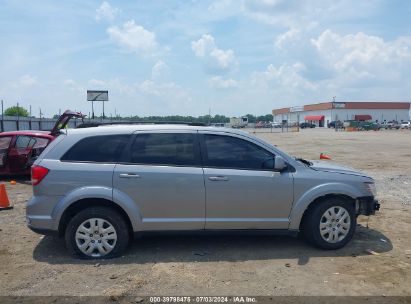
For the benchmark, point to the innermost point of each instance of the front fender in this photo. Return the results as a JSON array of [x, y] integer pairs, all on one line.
[[302, 203], [98, 192]]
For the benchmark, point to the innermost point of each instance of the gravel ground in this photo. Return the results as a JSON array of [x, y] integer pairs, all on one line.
[[236, 265]]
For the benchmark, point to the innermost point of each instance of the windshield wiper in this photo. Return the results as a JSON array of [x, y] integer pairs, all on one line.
[[304, 161]]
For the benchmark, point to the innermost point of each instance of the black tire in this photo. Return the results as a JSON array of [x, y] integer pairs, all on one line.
[[311, 222], [108, 214]]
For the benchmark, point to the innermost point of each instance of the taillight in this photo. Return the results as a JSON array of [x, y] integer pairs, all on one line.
[[37, 174]]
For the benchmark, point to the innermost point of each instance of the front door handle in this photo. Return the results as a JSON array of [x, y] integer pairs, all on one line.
[[218, 178], [129, 175]]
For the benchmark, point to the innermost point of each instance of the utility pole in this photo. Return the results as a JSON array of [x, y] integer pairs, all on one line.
[[2, 116], [18, 117], [30, 119], [40, 119], [92, 109]]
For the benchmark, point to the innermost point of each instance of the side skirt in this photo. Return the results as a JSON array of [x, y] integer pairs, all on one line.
[[292, 233]]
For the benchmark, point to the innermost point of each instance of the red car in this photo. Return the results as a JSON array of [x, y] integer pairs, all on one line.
[[19, 149]]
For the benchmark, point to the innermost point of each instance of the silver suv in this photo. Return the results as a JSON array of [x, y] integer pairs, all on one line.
[[99, 186]]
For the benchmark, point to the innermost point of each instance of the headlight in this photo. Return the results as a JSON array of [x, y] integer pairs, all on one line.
[[370, 187]]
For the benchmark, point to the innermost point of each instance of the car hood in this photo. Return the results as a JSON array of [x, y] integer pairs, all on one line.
[[327, 166]]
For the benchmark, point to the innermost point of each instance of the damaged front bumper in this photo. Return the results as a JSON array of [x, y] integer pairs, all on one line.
[[366, 205]]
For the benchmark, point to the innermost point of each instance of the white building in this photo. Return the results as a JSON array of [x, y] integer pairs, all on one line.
[[323, 113]]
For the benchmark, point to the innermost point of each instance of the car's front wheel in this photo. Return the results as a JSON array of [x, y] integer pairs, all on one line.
[[330, 224], [97, 232]]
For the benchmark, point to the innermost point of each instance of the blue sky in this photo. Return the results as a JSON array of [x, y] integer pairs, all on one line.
[[186, 57]]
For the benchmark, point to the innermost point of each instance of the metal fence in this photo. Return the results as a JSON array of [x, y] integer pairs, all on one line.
[[278, 129], [14, 123]]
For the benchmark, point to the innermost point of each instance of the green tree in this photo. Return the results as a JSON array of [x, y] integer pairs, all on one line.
[[16, 111], [268, 117], [251, 118]]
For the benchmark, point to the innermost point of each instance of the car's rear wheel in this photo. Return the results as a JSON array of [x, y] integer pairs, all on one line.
[[97, 232], [330, 224]]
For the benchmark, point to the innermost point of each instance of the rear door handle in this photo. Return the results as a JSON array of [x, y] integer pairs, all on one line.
[[129, 175], [218, 178]]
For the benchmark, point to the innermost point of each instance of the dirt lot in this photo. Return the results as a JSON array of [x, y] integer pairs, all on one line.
[[241, 265]]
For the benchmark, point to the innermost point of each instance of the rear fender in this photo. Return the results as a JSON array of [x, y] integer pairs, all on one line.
[[98, 192]]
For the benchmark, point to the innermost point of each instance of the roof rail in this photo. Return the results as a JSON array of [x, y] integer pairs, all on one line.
[[96, 124]]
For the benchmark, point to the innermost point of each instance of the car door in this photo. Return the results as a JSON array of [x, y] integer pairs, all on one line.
[[19, 154], [4, 151], [164, 177], [242, 189]]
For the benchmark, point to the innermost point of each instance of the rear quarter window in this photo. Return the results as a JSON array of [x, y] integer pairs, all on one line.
[[105, 148], [41, 143], [5, 142]]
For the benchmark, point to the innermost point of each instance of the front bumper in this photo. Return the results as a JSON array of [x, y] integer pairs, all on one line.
[[367, 205]]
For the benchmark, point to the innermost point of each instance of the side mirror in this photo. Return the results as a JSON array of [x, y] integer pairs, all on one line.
[[279, 163]]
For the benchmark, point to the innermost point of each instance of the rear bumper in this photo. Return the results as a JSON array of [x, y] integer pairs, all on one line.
[[44, 231], [39, 212], [367, 205]]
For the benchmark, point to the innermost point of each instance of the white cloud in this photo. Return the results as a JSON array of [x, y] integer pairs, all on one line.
[[305, 13], [289, 36], [203, 46], [364, 56], [97, 82], [134, 37], [23, 83], [72, 85], [220, 83], [215, 58], [225, 59], [159, 70], [106, 12], [27, 80], [287, 77]]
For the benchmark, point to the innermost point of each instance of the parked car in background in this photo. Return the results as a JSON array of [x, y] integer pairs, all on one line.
[[362, 125], [19, 149], [99, 186], [390, 125], [259, 124], [406, 125], [336, 124], [305, 125], [369, 126], [276, 124], [218, 125]]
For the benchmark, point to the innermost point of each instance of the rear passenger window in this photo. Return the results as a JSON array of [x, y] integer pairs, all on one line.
[[24, 142], [106, 148], [165, 149]]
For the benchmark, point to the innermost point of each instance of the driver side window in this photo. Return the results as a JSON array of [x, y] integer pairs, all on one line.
[[232, 152]]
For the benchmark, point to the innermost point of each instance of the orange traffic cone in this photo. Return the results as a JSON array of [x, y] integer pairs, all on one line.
[[4, 199], [324, 156]]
